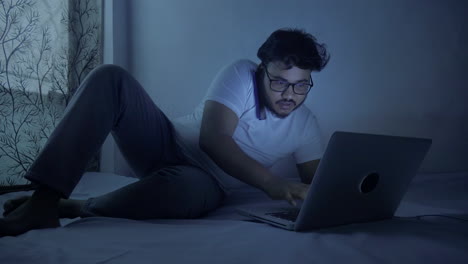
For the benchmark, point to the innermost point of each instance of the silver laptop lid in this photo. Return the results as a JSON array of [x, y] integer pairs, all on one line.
[[361, 177]]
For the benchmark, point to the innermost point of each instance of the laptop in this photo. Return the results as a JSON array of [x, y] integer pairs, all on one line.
[[360, 178]]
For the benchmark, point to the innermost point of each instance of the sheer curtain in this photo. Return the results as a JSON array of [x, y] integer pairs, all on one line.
[[47, 47]]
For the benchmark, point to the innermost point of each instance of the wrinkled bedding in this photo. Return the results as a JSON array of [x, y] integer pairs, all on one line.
[[223, 236]]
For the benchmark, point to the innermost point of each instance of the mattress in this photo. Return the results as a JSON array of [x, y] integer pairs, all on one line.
[[223, 236]]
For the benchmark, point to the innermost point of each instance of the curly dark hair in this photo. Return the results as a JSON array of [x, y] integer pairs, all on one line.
[[294, 47]]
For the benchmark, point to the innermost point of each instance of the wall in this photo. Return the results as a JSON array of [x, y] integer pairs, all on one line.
[[398, 67]]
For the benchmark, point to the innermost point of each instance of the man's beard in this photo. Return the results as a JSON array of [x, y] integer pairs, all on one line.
[[272, 110], [264, 100]]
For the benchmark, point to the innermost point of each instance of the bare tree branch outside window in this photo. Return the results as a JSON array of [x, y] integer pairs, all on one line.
[[47, 48]]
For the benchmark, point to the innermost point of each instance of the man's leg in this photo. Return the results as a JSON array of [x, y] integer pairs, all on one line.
[[109, 100], [181, 191]]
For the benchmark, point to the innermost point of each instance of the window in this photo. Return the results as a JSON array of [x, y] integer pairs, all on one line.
[[47, 48]]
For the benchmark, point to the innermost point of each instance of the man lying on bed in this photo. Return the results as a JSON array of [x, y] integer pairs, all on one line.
[[252, 116]]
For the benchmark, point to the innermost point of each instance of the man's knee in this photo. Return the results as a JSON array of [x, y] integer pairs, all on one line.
[[103, 77], [108, 70]]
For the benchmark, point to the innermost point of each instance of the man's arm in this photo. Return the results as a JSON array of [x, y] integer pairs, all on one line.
[[307, 170], [218, 125]]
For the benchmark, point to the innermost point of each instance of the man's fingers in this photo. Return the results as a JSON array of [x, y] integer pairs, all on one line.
[[300, 191], [290, 199], [304, 193]]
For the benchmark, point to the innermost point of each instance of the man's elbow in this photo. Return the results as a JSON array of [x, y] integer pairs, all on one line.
[[203, 144], [209, 143], [206, 143]]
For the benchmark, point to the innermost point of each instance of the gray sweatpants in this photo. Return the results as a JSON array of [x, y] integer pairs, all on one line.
[[111, 100]]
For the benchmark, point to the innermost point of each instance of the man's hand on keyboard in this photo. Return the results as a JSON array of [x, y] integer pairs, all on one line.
[[281, 189]]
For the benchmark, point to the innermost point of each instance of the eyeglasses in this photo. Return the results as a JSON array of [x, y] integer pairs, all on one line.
[[300, 88]]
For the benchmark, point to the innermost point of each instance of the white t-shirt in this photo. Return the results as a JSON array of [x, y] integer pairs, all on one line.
[[266, 141]]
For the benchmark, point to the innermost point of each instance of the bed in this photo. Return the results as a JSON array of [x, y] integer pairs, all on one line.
[[223, 236]]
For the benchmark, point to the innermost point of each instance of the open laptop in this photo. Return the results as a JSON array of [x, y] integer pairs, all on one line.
[[360, 178]]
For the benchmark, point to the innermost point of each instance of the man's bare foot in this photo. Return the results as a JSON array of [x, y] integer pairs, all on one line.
[[68, 208], [37, 212], [10, 205], [32, 214]]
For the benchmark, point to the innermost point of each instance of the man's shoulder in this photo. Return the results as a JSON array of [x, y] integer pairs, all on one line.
[[304, 113], [304, 123]]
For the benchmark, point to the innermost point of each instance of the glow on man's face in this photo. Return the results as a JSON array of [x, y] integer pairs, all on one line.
[[283, 103]]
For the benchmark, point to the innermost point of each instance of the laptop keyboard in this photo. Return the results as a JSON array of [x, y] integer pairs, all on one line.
[[287, 215]]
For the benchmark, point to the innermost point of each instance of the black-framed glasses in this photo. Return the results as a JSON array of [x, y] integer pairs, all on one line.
[[300, 88]]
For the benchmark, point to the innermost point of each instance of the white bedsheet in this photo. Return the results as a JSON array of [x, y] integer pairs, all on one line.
[[225, 237]]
